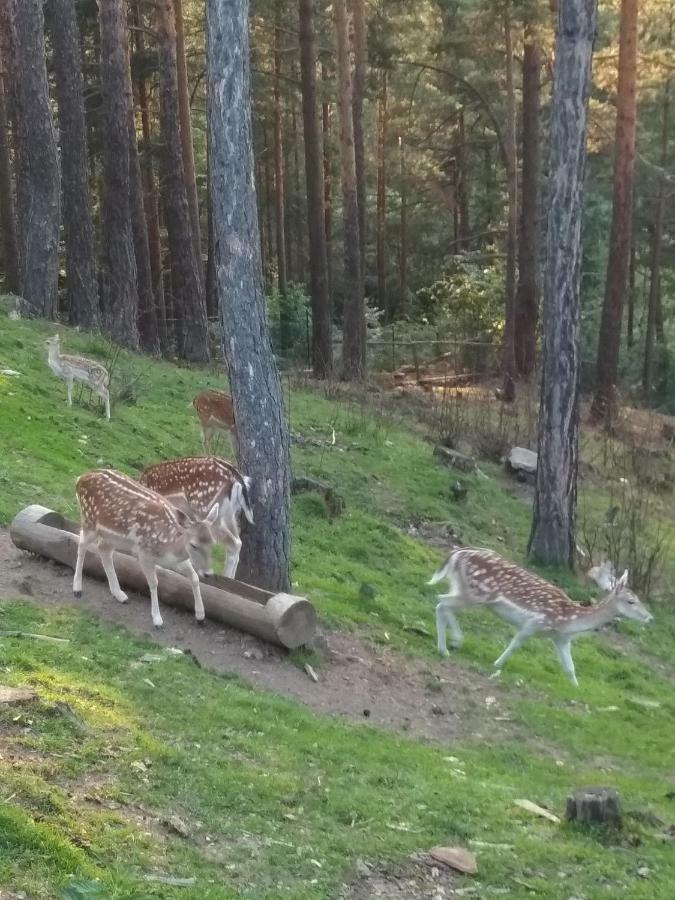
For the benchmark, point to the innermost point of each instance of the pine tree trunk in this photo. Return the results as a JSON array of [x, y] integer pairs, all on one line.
[[462, 187], [359, 91], [609, 342], [119, 295], [353, 352], [552, 539], [382, 196], [7, 211], [269, 202], [529, 277], [187, 282], [299, 214], [322, 350], [255, 383], [186, 133], [630, 325], [326, 116], [403, 249], [509, 350], [83, 305], [279, 186], [39, 186], [211, 292]]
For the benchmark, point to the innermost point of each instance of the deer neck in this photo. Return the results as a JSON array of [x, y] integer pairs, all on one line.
[[54, 358], [602, 613]]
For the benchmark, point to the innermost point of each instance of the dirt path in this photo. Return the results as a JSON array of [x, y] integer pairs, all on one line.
[[439, 701]]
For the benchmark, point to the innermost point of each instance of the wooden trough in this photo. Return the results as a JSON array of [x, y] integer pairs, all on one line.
[[278, 618]]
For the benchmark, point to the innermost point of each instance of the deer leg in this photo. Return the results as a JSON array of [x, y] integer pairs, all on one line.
[[69, 389], [86, 539], [518, 640], [106, 553], [564, 647], [150, 572], [188, 569], [105, 396], [233, 547], [445, 616]]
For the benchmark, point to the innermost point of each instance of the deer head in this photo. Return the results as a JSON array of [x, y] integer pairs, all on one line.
[[627, 604], [199, 538]]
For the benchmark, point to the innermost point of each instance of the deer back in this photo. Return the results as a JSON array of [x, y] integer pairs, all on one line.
[[215, 407], [202, 480]]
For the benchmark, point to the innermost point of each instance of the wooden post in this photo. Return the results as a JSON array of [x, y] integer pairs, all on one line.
[[278, 618]]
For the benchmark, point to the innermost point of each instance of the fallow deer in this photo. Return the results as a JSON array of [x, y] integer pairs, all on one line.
[[216, 414], [194, 484], [120, 514], [482, 578], [78, 368]]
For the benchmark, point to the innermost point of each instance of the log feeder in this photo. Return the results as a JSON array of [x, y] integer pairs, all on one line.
[[278, 618]]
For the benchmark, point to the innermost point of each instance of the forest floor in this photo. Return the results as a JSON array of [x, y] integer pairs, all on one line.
[[223, 771]]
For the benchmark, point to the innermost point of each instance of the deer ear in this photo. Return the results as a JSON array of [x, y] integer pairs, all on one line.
[[603, 576], [184, 520], [213, 514], [623, 581]]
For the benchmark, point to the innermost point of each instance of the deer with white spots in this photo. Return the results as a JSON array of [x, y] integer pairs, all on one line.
[[78, 368], [216, 415], [195, 484], [482, 578], [120, 514]]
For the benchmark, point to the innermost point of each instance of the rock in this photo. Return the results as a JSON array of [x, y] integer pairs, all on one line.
[[436, 710], [595, 806], [537, 810], [366, 713], [454, 459], [522, 463], [456, 857], [9, 696], [175, 823]]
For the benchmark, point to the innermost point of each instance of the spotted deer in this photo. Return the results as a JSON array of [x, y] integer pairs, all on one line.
[[78, 368], [216, 415], [119, 514], [195, 484], [482, 578]]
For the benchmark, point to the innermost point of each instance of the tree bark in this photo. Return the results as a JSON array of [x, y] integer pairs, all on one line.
[[322, 350], [187, 282], [529, 277], [326, 117], [83, 305], [403, 249], [607, 370], [186, 133], [269, 202], [7, 211], [359, 92], [462, 187], [630, 325], [298, 214], [211, 291], [382, 196], [552, 539], [119, 294], [353, 351], [279, 185], [39, 184], [254, 379], [509, 350]]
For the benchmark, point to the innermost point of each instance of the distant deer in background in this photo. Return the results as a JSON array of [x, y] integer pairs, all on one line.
[[78, 368], [482, 578], [216, 414]]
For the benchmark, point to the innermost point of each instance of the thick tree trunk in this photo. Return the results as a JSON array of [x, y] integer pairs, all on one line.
[[359, 92], [382, 196], [322, 350], [529, 277], [630, 325], [353, 351], [83, 305], [119, 294], [609, 342], [7, 211], [279, 186], [269, 202], [509, 350], [186, 133], [211, 291], [254, 379], [298, 214], [326, 117], [403, 249], [187, 282], [552, 539], [39, 184]]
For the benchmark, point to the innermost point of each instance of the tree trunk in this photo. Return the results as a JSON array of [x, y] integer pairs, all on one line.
[[607, 371], [509, 350], [7, 211], [353, 351], [211, 292], [83, 305], [254, 379], [326, 116], [529, 277], [269, 201], [403, 250], [552, 539], [462, 187], [382, 196], [322, 350], [359, 92], [186, 133], [187, 282], [298, 215], [279, 186], [630, 325], [119, 294], [39, 185]]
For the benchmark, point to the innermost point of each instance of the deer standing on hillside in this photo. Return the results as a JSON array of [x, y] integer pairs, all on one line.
[[120, 514], [482, 578], [216, 414], [195, 484], [78, 368]]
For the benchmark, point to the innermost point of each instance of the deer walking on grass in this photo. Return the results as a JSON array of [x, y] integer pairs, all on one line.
[[78, 368], [216, 416], [482, 578], [195, 484], [120, 514]]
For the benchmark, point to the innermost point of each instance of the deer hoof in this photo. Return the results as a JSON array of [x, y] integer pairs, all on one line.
[[77, 594], [158, 623], [200, 622], [444, 651], [121, 598]]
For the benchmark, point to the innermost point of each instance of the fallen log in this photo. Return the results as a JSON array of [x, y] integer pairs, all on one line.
[[278, 618]]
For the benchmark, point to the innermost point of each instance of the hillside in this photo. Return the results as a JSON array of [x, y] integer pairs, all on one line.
[[274, 797]]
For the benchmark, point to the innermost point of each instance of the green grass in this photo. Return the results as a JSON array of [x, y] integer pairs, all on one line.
[[290, 801]]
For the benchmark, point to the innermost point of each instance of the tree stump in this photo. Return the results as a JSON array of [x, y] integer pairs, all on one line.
[[595, 806]]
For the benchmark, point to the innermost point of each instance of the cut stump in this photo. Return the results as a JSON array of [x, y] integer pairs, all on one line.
[[595, 806], [11, 695]]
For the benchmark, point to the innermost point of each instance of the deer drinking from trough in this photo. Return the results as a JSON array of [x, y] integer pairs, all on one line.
[[78, 368], [195, 484], [216, 415], [482, 578], [120, 514]]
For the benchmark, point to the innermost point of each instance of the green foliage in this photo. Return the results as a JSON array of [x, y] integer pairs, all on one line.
[[289, 322]]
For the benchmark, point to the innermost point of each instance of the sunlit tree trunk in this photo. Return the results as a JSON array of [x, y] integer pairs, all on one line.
[[382, 194], [359, 92]]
